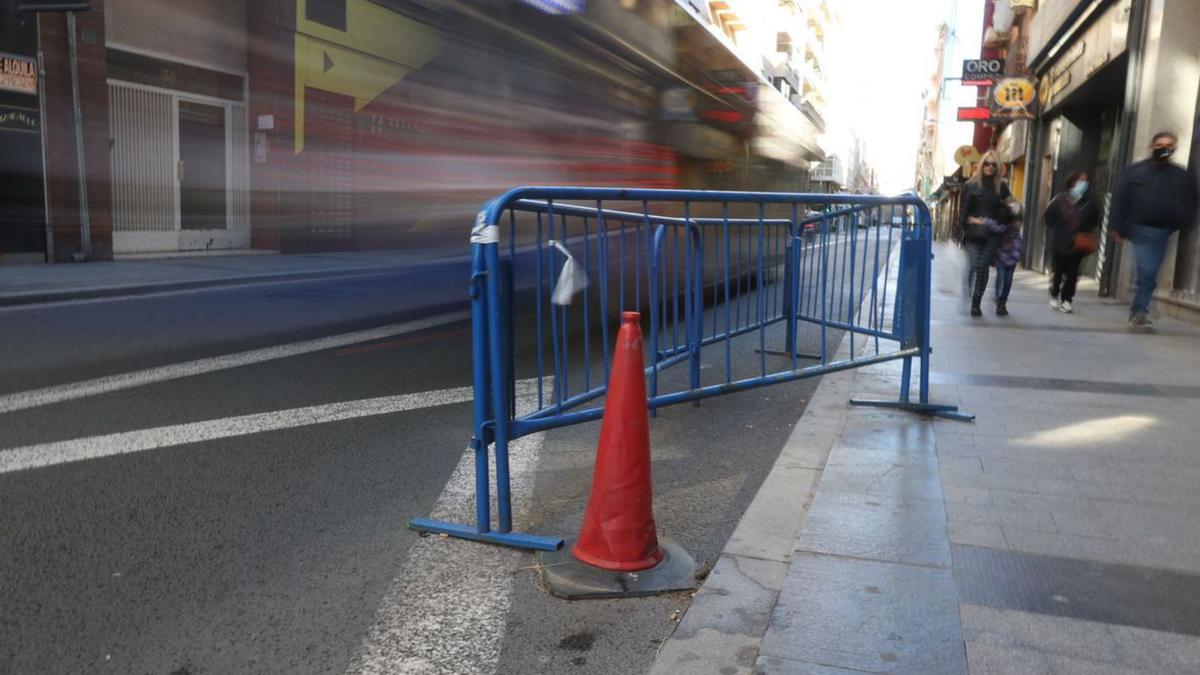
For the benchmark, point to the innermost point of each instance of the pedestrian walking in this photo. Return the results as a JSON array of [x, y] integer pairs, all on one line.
[[985, 198], [1071, 218], [1154, 199], [1008, 254]]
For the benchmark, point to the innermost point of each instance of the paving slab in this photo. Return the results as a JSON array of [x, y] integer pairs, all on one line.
[[867, 615]]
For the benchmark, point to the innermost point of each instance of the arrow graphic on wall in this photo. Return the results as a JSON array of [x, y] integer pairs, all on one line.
[[377, 49]]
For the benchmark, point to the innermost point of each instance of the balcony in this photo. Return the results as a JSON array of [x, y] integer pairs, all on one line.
[[810, 111], [830, 171], [725, 18]]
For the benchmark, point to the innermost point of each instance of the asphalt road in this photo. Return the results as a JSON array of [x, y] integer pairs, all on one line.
[[252, 517]]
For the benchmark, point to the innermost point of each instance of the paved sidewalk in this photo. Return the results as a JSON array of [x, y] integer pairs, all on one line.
[[1059, 533], [30, 284]]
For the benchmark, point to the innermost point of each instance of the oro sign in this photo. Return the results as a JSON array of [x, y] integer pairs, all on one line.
[[981, 71]]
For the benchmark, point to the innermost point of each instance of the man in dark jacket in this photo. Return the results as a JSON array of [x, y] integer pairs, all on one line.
[[1153, 200]]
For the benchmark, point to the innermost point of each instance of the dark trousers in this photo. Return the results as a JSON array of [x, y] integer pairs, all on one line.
[[1004, 281], [1066, 273], [1149, 250], [982, 253]]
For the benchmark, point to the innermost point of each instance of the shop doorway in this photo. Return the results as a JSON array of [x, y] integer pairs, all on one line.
[[203, 168], [180, 171], [22, 189]]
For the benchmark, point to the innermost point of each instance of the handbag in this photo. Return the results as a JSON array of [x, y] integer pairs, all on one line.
[[1085, 243]]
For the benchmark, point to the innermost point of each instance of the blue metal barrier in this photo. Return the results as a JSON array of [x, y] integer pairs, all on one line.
[[718, 275]]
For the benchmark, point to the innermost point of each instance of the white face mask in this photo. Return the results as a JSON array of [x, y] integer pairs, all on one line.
[[1078, 190]]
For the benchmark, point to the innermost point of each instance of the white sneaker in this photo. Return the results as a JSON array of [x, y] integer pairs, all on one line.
[[1054, 304], [1065, 307]]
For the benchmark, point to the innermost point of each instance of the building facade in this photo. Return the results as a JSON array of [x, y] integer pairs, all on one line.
[[1111, 74], [304, 125]]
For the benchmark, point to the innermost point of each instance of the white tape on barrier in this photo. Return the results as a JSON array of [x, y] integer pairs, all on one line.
[[483, 233]]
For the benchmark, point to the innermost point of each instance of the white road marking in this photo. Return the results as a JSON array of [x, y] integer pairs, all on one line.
[[446, 608], [102, 385], [75, 450]]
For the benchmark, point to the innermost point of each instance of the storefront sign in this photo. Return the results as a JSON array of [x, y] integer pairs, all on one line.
[[966, 155], [720, 166], [1014, 98], [981, 72], [675, 103], [13, 118], [155, 72], [1068, 59], [979, 114], [1057, 87], [18, 73]]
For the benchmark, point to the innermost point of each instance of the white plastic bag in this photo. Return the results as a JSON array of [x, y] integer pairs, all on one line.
[[571, 280]]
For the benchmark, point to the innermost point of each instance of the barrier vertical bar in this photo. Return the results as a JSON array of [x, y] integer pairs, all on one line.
[[621, 272], [900, 317], [510, 293], [602, 279], [875, 277], [926, 227], [772, 274], [541, 324], [728, 343], [479, 377], [761, 294], [862, 283], [694, 301], [853, 257], [740, 256], [499, 406], [510, 336], [715, 246], [587, 311], [675, 291], [554, 335], [564, 323], [657, 305], [791, 280], [824, 288]]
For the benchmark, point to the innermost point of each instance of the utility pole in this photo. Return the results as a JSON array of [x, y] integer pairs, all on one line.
[[85, 226]]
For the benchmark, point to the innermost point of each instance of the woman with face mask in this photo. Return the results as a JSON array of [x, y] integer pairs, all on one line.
[[1071, 218]]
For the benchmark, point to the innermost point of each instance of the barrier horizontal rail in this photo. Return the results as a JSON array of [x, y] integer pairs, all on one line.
[[719, 276]]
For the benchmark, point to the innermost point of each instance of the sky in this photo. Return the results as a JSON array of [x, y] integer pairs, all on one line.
[[880, 62]]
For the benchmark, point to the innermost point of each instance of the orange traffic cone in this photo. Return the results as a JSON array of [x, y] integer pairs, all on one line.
[[618, 527]]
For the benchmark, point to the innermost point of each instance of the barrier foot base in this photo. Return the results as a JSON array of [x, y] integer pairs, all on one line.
[[781, 352], [513, 539], [949, 412], [567, 577]]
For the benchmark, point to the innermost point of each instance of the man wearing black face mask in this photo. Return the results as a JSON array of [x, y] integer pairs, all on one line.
[[1154, 199]]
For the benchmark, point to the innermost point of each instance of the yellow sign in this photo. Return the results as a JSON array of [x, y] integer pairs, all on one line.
[[966, 155], [377, 49], [1014, 93], [18, 73]]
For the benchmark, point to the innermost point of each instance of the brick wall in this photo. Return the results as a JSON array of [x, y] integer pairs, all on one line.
[[270, 94], [61, 163]]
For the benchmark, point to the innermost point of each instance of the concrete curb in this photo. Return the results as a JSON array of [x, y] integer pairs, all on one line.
[[728, 617], [149, 288]]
